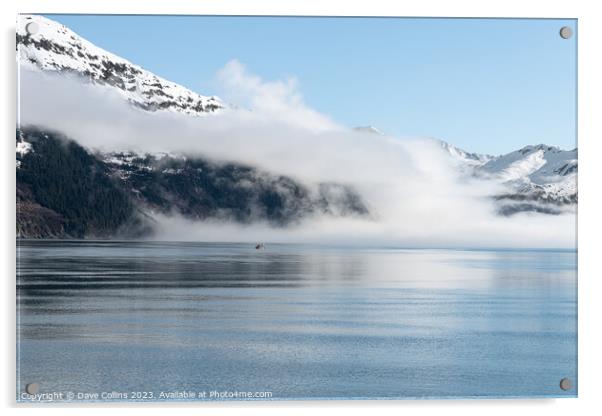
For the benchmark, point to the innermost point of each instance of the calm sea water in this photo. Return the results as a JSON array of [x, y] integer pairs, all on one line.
[[133, 320]]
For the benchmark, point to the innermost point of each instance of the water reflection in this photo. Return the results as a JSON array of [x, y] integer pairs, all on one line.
[[296, 320]]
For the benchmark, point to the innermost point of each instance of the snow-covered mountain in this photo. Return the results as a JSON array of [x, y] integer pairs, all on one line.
[[541, 174], [368, 129], [537, 178], [54, 47], [541, 164], [462, 156]]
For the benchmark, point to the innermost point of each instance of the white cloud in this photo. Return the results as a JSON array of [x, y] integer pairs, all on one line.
[[417, 196], [270, 100]]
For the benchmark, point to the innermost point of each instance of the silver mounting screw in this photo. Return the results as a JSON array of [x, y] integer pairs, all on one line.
[[32, 28], [566, 32]]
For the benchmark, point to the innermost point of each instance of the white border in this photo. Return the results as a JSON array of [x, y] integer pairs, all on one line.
[[590, 210]]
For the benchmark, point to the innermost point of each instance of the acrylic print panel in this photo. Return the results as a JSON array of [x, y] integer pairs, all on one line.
[[283, 208]]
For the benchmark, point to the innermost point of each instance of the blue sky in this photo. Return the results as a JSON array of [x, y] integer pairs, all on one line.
[[485, 85]]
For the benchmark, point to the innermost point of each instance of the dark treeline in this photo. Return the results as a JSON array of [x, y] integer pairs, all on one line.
[[63, 190]]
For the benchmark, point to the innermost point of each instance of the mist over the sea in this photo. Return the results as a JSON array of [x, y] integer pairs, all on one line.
[[415, 192]]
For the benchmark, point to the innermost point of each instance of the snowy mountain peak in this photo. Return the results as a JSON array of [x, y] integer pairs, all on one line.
[[540, 173], [462, 156], [541, 163], [540, 147], [54, 47], [368, 129]]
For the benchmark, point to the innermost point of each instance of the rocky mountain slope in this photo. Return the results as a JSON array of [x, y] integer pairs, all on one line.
[[54, 47]]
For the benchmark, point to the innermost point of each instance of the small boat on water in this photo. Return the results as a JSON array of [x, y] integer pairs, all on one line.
[[259, 246]]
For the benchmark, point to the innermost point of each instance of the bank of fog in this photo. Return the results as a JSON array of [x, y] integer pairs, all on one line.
[[415, 192]]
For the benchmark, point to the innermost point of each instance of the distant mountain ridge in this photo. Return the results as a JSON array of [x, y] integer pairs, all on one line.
[[539, 178], [368, 129], [460, 155]]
